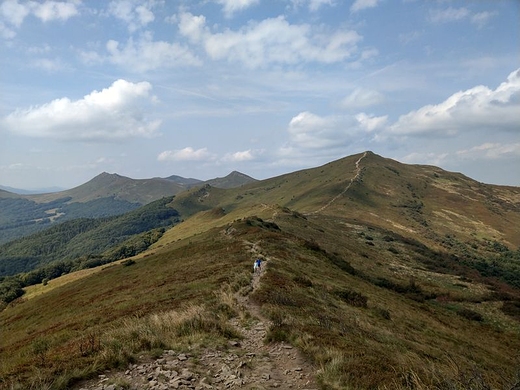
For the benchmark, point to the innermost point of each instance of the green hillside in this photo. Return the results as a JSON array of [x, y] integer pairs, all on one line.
[[87, 238], [384, 275]]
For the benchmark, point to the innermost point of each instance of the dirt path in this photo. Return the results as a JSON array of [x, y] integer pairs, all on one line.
[[248, 364], [358, 173]]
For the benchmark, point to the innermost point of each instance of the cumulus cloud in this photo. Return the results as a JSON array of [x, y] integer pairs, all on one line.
[[113, 113], [363, 4], [186, 154], [229, 7], [135, 14], [308, 131], [54, 10], [246, 155], [370, 123], [143, 54], [271, 41], [361, 98], [13, 13], [478, 108]]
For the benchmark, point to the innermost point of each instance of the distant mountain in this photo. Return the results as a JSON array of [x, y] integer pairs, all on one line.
[[233, 180], [103, 196], [20, 191], [106, 185], [184, 181]]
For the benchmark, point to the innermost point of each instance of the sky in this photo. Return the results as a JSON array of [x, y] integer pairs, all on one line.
[[201, 88]]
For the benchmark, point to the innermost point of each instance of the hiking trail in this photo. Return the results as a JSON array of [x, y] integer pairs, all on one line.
[[356, 177], [245, 364]]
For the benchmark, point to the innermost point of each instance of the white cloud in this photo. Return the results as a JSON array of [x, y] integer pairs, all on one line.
[[311, 132], [135, 14], [6, 32], [371, 123], [437, 159], [143, 54], [363, 4], [315, 5], [478, 108], [271, 41], [113, 113], [193, 27], [481, 18], [186, 154], [232, 6], [490, 150], [52, 10], [449, 14], [13, 13], [246, 155], [361, 98], [50, 65]]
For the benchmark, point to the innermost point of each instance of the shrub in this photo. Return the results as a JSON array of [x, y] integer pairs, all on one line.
[[352, 298], [470, 314], [127, 263], [383, 313], [511, 308], [277, 335], [303, 281]]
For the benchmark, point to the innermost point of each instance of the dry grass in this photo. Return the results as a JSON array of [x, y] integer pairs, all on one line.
[[391, 250]]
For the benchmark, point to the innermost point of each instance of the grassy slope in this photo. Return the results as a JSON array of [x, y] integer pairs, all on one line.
[[323, 289]]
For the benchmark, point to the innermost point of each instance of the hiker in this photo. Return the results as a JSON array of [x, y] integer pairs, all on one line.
[[258, 263]]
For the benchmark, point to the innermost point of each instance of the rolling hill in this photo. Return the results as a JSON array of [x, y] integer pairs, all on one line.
[[384, 275], [104, 196]]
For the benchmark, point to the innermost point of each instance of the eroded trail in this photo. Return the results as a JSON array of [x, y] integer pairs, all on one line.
[[356, 176], [245, 364], [276, 364]]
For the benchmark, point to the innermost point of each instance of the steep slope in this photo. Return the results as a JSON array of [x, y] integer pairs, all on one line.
[[415, 200]]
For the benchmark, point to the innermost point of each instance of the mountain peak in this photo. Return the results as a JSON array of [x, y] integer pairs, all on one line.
[[232, 180]]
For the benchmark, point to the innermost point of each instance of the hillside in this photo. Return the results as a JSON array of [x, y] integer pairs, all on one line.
[[384, 275], [91, 239], [104, 196]]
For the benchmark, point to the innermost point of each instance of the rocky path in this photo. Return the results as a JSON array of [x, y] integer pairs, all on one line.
[[248, 364]]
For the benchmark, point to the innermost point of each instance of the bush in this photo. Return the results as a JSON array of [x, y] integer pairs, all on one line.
[[470, 315], [352, 298], [303, 281], [383, 313]]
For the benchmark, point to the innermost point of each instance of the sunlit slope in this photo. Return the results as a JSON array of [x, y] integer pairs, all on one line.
[[413, 199], [350, 294]]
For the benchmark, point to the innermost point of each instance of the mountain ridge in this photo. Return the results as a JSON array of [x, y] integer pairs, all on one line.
[[385, 275], [107, 194]]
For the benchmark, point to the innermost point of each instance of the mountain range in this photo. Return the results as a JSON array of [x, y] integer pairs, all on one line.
[[384, 275], [103, 196]]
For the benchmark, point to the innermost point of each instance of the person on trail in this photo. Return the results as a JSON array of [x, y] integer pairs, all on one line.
[[258, 263]]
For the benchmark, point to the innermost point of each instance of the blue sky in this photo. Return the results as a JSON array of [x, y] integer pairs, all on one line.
[[201, 88]]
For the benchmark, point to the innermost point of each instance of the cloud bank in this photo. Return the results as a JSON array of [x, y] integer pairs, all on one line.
[[113, 113], [270, 41], [478, 108]]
